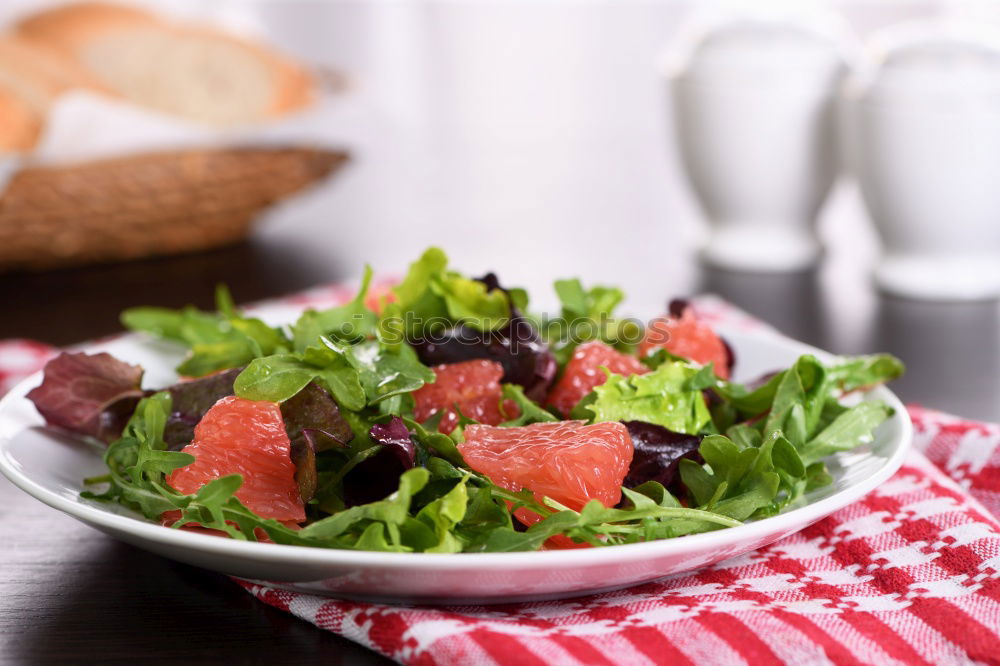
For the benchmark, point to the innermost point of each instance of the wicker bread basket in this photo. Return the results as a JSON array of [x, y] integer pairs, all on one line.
[[146, 205]]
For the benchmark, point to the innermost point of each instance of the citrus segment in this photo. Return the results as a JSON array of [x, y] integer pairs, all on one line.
[[247, 437], [471, 386], [583, 373], [688, 338], [567, 461]]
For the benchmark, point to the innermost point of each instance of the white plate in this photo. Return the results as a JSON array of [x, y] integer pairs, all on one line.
[[50, 468]]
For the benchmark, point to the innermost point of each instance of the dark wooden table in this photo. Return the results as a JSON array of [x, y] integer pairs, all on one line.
[[530, 140], [69, 594]]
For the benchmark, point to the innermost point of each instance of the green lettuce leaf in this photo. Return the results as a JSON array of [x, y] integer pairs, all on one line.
[[431, 295], [661, 397]]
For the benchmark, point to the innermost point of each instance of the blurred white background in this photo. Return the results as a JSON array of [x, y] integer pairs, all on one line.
[[531, 138]]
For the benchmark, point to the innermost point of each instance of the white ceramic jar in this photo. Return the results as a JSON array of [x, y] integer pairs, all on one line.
[[922, 126], [754, 109]]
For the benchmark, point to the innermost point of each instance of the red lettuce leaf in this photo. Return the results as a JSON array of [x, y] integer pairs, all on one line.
[[395, 437], [677, 306], [378, 476], [313, 423], [657, 453], [191, 399], [312, 416], [88, 394]]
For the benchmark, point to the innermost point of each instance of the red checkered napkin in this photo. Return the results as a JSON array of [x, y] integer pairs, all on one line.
[[908, 575]]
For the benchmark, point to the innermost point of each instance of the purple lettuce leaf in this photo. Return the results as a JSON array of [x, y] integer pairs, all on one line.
[[306, 476], [730, 355], [518, 347], [313, 423], [677, 306], [313, 415], [191, 399], [376, 477], [88, 394], [657, 453]]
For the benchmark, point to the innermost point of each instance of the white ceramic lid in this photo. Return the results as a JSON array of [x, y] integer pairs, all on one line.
[[759, 49], [932, 64]]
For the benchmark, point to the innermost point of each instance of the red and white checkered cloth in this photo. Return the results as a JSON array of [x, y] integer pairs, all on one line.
[[908, 575]]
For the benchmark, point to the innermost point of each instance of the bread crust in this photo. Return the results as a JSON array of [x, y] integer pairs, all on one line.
[[70, 30], [20, 125], [31, 77], [69, 27]]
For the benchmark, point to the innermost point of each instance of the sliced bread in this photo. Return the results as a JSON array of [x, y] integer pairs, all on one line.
[[191, 71], [30, 79]]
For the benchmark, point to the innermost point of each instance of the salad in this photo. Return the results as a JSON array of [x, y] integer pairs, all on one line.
[[442, 415]]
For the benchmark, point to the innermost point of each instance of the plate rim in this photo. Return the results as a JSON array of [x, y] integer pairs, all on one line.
[[797, 518]]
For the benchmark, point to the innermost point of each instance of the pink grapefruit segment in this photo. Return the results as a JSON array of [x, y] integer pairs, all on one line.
[[567, 461], [583, 373], [688, 338], [471, 386], [247, 437]]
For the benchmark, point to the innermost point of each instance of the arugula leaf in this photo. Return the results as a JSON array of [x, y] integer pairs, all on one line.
[[588, 304], [529, 411], [279, 377], [187, 325], [435, 443], [484, 515], [865, 371], [206, 358], [352, 528], [660, 397], [587, 314], [385, 373], [217, 341], [703, 379], [798, 400], [336, 371], [849, 430], [601, 526], [139, 459], [847, 375], [274, 378], [351, 322], [743, 482]]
